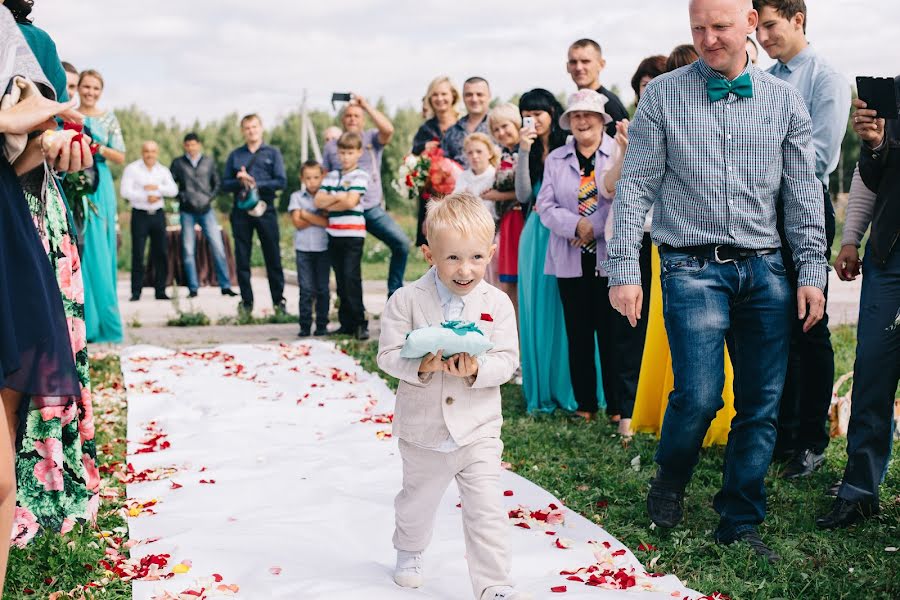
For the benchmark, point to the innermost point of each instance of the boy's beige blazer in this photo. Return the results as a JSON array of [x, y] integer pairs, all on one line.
[[428, 408]]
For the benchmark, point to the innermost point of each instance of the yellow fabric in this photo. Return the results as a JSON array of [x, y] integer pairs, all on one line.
[[656, 380]]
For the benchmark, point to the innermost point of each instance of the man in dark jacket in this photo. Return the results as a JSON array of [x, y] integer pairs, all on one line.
[[254, 173], [198, 182], [877, 369]]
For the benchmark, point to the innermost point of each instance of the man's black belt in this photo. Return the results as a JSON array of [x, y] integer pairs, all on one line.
[[147, 212], [719, 254]]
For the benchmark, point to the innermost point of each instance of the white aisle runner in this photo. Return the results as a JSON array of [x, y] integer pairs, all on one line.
[[285, 481]]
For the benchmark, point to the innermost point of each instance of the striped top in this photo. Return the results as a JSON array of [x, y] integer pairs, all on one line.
[[352, 222], [719, 172]]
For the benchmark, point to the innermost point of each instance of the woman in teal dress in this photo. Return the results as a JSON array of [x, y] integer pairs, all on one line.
[[101, 304], [544, 354]]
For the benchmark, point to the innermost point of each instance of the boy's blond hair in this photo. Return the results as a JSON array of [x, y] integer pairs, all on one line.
[[462, 213], [483, 138]]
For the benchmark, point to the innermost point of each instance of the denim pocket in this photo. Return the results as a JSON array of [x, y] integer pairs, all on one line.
[[775, 262], [674, 265]]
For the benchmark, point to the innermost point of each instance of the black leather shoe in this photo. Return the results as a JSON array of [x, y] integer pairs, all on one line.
[[303, 333], [192, 294], [803, 464], [163, 296], [752, 539], [134, 298], [228, 292], [845, 513], [362, 333], [665, 503], [321, 332]]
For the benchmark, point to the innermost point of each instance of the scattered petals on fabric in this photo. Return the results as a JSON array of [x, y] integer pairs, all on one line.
[[137, 508], [154, 440]]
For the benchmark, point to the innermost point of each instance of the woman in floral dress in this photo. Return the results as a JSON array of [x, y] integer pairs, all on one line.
[[56, 471]]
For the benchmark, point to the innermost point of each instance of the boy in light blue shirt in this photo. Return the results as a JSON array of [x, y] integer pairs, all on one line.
[[311, 247]]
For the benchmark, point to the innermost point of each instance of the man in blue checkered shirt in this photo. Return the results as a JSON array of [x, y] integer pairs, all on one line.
[[717, 146]]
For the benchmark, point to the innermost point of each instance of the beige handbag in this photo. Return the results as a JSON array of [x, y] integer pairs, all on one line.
[[20, 88]]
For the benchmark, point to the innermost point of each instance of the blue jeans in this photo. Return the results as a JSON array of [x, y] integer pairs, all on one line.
[[210, 228], [313, 269], [748, 305], [383, 227], [875, 376]]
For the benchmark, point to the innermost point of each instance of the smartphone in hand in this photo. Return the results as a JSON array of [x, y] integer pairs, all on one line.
[[880, 95], [528, 122], [340, 97]]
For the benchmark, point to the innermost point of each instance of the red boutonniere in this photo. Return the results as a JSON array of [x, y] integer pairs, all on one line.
[[487, 317]]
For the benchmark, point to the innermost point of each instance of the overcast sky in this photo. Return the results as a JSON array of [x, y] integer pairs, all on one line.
[[203, 59]]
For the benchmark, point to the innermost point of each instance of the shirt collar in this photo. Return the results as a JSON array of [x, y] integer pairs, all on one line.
[[804, 56], [605, 148], [444, 293], [708, 72]]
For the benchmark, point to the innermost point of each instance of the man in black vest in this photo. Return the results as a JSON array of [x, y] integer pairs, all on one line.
[[198, 182], [877, 369]]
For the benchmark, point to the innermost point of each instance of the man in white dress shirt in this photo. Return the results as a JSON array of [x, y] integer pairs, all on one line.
[[145, 183]]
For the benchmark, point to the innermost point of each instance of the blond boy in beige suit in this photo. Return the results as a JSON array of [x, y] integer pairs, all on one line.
[[447, 415]]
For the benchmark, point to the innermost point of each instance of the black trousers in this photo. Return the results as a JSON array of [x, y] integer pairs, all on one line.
[[144, 225], [266, 227], [346, 261], [629, 343], [803, 414], [589, 316]]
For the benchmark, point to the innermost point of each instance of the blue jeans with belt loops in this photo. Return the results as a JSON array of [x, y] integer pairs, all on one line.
[[746, 304]]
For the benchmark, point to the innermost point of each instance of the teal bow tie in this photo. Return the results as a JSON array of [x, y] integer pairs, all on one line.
[[717, 88], [461, 327]]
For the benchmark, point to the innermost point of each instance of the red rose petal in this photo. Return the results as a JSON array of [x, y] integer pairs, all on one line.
[[558, 589], [508, 493]]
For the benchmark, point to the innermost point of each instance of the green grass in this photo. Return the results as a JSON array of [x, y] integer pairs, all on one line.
[[587, 464], [64, 560]]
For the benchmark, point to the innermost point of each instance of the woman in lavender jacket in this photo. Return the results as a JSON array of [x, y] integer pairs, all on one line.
[[574, 202]]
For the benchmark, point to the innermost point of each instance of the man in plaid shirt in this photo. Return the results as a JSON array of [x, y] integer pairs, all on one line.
[[718, 145]]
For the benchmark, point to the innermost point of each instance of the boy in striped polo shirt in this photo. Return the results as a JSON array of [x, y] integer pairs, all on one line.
[[341, 195]]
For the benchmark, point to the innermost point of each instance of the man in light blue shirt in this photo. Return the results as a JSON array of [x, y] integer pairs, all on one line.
[[802, 432]]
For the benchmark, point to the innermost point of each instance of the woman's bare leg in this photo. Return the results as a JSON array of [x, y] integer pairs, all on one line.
[[11, 400]]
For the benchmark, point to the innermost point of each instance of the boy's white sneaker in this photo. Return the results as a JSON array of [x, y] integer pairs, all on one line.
[[409, 569], [506, 593]]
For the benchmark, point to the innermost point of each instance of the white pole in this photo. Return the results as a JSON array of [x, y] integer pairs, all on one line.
[[304, 131]]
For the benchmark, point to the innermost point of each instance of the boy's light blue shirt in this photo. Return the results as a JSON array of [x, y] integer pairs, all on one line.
[[312, 238]]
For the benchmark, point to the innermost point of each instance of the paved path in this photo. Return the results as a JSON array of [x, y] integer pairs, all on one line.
[[145, 320]]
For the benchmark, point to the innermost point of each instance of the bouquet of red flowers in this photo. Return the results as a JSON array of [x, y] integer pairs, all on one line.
[[427, 175]]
